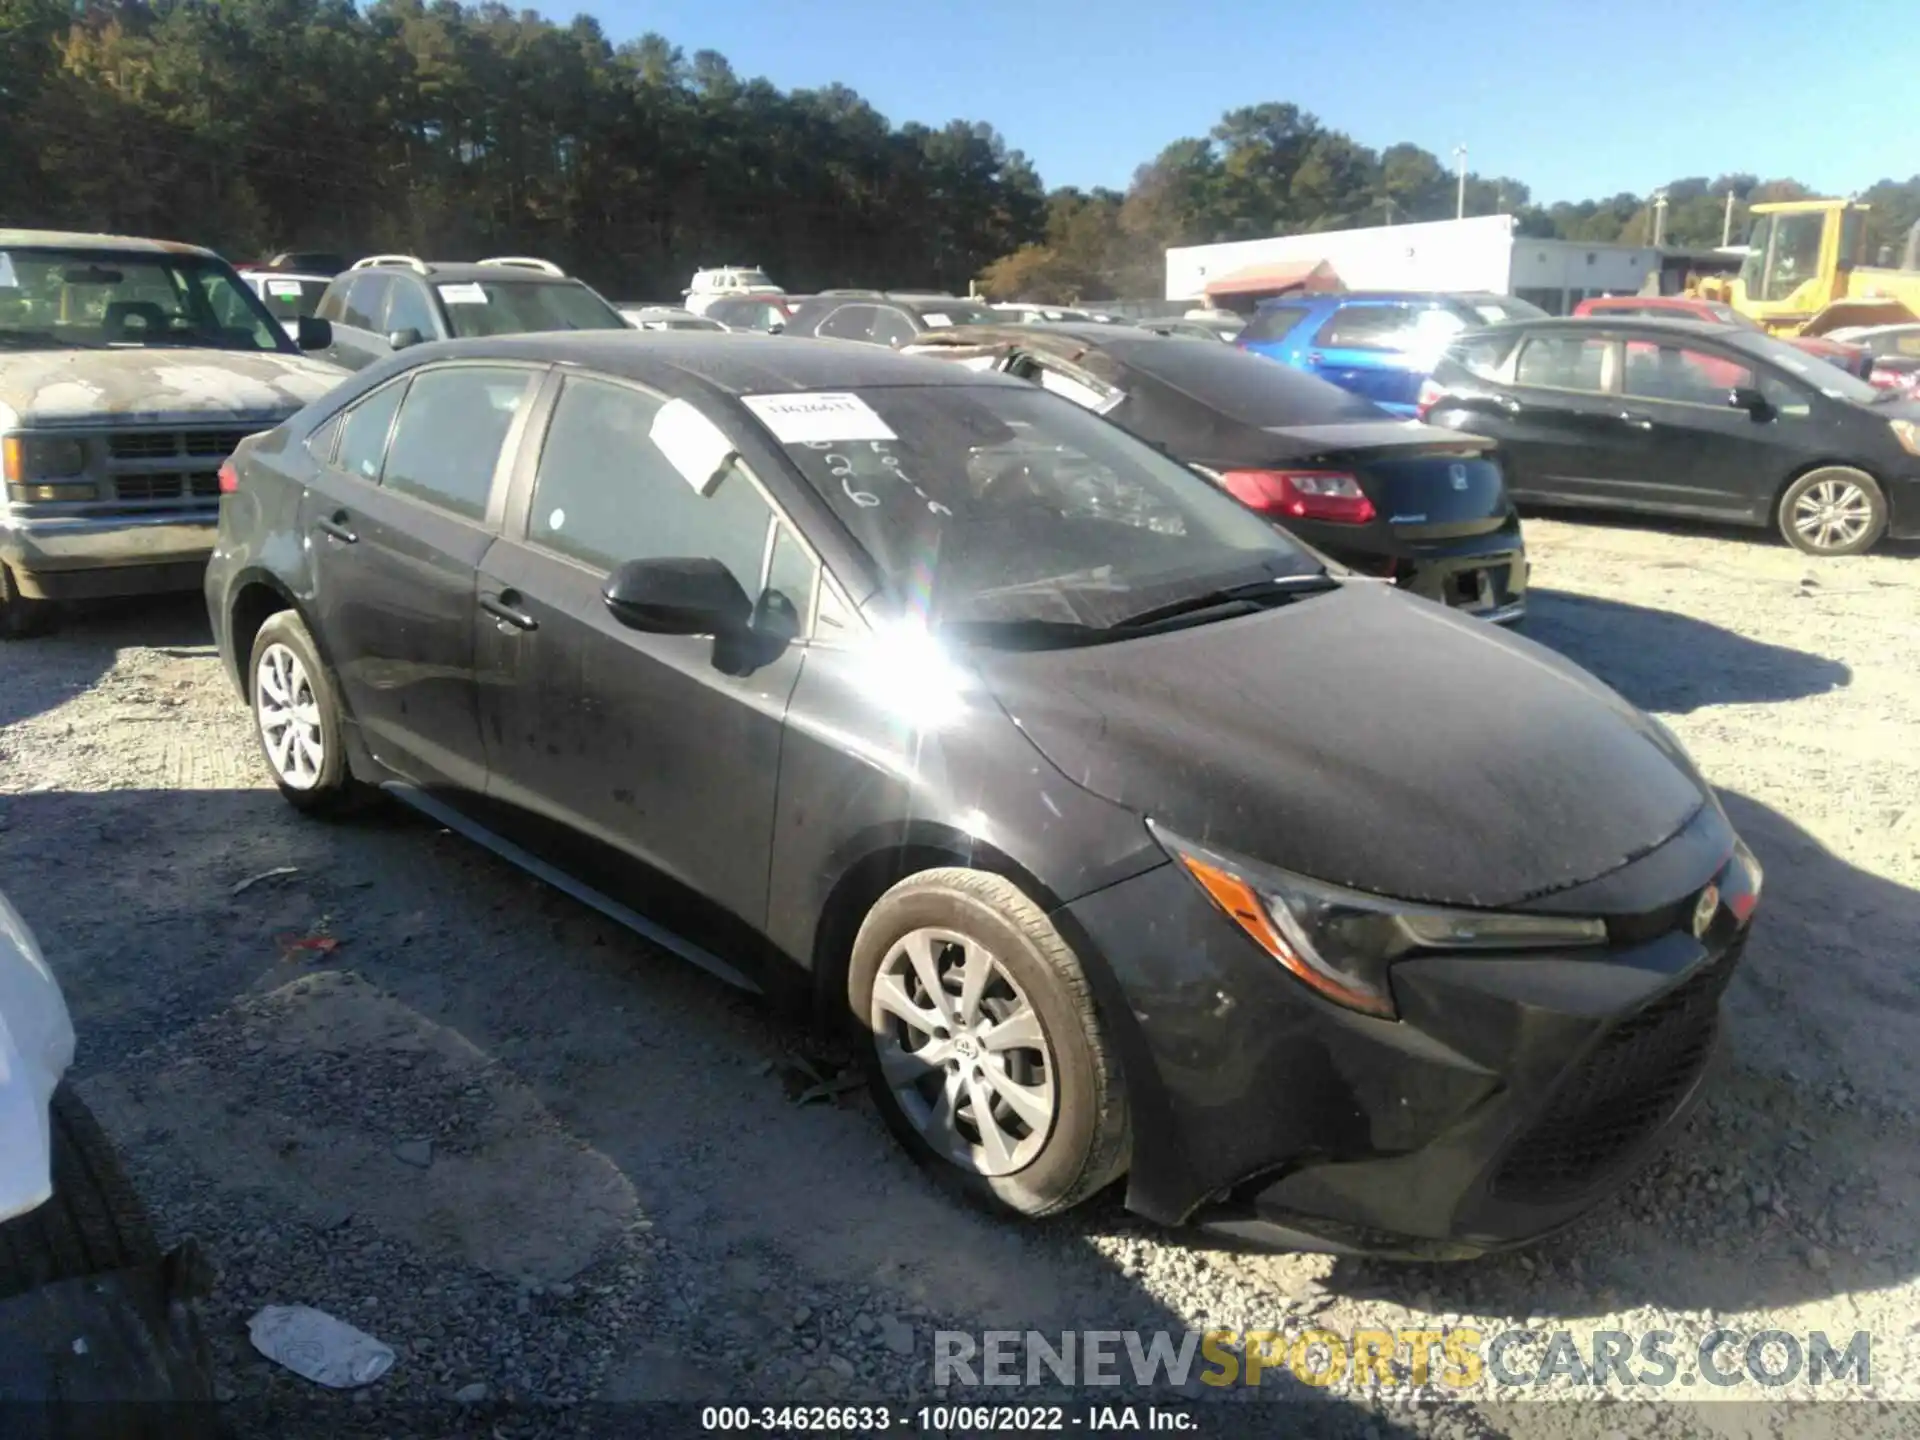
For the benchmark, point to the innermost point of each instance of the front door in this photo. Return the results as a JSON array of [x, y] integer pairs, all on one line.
[[1708, 457], [398, 522], [662, 750]]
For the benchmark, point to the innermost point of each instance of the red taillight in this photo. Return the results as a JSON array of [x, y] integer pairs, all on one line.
[[1301, 494], [229, 478], [1430, 392]]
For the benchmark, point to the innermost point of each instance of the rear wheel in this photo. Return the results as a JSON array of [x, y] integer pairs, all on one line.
[[94, 1223], [21, 617], [984, 1051], [296, 714], [1835, 510]]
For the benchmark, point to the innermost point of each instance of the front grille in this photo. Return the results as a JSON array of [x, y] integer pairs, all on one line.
[[201, 486], [1623, 1091], [167, 444]]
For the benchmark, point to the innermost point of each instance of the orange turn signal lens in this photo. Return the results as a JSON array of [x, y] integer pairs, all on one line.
[[12, 466], [1245, 907]]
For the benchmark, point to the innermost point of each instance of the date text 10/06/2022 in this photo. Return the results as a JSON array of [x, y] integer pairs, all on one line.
[[944, 1419]]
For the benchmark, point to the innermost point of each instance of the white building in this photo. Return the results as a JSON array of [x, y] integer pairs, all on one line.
[[1481, 253]]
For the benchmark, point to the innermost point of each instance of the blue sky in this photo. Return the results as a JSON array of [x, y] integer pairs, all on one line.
[[1576, 98]]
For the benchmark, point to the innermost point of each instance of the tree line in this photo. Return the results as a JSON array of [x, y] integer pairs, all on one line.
[[455, 131]]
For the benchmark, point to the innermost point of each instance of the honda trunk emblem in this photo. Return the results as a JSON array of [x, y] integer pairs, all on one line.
[[1457, 474], [1705, 910]]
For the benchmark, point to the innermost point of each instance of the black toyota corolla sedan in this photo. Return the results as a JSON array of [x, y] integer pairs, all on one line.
[[1414, 503], [1126, 838]]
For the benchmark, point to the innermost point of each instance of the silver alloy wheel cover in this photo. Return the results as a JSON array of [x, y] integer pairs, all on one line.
[[288, 714], [1832, 514], [963, 1051]]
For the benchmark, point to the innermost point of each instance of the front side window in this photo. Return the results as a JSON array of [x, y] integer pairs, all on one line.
[[519, 307], [58, 299], [363, 434], [1677, 373], [1564, 362], [891, 327], [1795, 257], [849, 322], [409, 309], [991, 505], [366, 298], [447, 442], [1366, 327], [605, 493]]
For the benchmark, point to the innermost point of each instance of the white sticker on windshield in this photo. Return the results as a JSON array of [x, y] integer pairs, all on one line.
[[284, 289], [936, 321], [817, 418], [8, 280], [463, 294], [693, 444]]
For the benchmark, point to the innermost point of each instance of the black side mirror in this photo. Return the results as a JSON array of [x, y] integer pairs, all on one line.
[[313, 333], [1743, 397], [401, 339], [677, 597]]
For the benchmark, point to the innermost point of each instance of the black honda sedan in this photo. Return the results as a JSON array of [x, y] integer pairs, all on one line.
[[1388, 497], [1126, 838], [1674, 417]]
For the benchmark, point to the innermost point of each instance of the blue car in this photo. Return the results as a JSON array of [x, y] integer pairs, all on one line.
[[1379, 344]]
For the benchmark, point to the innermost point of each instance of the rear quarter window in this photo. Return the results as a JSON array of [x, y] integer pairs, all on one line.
[[1482, 355]]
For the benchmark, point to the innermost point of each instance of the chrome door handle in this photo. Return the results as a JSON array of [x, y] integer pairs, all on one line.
[[336, 526], [504, 607], [1639, 422]]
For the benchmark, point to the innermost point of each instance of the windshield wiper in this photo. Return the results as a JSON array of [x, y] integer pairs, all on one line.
[[1275, 591], [1027, 632]]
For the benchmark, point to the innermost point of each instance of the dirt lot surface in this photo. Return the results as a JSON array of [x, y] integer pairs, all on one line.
[[412, 1087]]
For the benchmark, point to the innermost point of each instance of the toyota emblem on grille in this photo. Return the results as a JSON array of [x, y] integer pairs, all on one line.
[[1457, 474], [1705, 910]]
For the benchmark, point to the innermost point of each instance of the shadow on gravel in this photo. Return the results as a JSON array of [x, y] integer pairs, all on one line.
[[273, 1100], [76, 655], [1788, 1186], [1767, 538], [1662, 661]]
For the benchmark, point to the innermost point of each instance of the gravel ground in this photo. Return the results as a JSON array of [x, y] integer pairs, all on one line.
[[410, 1086]]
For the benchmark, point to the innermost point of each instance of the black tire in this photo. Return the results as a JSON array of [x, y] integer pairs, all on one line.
[[1089, 1144], [1848, 480], [334, 791], [94, 1222], [22, 618]]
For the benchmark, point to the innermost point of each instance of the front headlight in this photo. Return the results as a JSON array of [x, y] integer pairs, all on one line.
[[1907, 433], [41, 457], [1342, 942]]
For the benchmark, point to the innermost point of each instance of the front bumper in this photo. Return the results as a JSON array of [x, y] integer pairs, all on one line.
[[1511, 1094], [86, 556]]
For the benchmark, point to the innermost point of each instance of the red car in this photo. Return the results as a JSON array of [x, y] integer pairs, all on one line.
[[1854, 359]]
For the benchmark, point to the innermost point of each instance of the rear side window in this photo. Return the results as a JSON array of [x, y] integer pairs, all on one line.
[[363, 436], [1482, 355], [447, 443], [1564, 362], [410, 310], [891, 327], [1367, 327], [365, 298], [605, 493], [1274, 322], [849, 322]]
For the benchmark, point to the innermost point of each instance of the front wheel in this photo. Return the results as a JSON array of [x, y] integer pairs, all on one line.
[[984, 1050], [1835, 510]]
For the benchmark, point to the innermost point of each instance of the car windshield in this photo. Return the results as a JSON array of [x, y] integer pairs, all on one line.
[[55, 299], [1829, 379], [1249, 388], [989, 506], [287, 298], [1498, 309], [514, 307]]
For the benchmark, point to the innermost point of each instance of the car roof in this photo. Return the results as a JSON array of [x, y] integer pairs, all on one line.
[[301, 275], [463, 272], [80, 240], [1077, 336], [1652, 325], [739, 364]]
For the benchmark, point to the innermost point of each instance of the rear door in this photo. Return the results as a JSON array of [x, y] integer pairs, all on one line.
[[397, 521], [661, 751], [1566, 435]]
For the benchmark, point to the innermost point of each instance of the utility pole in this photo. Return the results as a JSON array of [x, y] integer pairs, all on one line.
[[1460, 202], [1726, 226], [1387, 201], [1659, 216]]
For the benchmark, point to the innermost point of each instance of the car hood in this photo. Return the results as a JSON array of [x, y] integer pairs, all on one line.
[[36, 1046], [143, 386], [1365, 738]]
